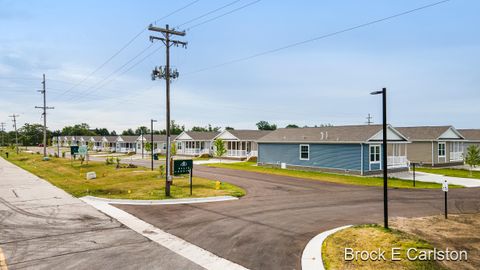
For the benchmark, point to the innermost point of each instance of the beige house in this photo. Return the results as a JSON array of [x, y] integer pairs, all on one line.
[[434, 145], [472, 137]]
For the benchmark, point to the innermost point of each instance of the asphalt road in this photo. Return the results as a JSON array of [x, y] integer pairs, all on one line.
[[42, 227], [270, 226]]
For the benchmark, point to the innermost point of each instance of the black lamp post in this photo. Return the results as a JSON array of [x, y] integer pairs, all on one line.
[[151, 139], [383, 92]]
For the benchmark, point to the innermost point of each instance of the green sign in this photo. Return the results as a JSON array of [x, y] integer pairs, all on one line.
[[73, 150], [182, 166], [82, 150]]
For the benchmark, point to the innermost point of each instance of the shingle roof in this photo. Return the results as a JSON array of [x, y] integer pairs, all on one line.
[[354, 133], [129, 138], [470, 134], [97, 138], [423, 132], [112, 138], [159, 138], [201, 135], [249, 135]]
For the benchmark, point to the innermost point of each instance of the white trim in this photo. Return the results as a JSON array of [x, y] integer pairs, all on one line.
[[370, 153], [300, 151], [444, 151], [361, 158]]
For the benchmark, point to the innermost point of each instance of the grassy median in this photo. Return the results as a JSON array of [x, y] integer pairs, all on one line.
[[452, 172], [338, 250], [328, 177], [119, 183]]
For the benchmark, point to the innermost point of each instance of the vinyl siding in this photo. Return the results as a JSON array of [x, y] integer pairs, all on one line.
[[331, 156]]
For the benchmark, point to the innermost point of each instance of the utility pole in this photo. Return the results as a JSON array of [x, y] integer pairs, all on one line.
[[44, 114], [369, 119], [14, 116], [2, 124], [151, 139], [166, 73]]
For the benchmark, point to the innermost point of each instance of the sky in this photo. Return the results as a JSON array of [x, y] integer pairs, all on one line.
[[428, 60]]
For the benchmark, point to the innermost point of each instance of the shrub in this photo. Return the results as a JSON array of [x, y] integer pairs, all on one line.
[[63, 154]]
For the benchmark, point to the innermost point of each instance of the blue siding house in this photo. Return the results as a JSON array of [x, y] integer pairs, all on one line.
[[346, 149]]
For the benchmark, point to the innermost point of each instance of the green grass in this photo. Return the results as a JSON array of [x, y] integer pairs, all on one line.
[[124, 183], [374, 237], [328, 177], [452, 172]]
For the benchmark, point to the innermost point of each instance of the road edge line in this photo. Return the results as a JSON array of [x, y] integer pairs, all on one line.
[[162, 202], [196, 254], [312, 254]]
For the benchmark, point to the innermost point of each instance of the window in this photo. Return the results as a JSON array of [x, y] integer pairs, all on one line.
[[374, 153], [304, 152], [441, 149]]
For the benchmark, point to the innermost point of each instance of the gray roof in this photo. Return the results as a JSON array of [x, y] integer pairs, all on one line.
[[96, 138], [423, 132], [353, 134], [112, 138], [470, 134], [249, 135], [129, 138], [202, 135], [159, 138]]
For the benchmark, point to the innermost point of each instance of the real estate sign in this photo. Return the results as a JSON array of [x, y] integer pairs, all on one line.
[[73, 150], [182, 166]]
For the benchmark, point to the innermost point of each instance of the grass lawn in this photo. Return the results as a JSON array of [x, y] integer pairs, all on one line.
[[328, 177], [124, 183], [374, 237], [451, 172]]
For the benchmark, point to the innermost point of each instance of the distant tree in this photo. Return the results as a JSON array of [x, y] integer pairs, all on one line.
[[113, 133], [209, 128], [148, 146], [229, 128], [292, 126], [101, 132], [128, 132], [31, 134], [473, 157], [264, 125], [82, 129], [219, 146], [142, 129], [175, 129]]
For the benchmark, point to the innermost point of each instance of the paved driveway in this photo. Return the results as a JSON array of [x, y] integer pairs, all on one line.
[[270, 226]]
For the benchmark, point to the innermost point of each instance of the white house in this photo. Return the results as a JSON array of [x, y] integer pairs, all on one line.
[[195, 143], [241, 144]]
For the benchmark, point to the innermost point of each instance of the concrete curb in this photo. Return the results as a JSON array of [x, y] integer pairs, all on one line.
[[198, 255], [312, 254], [160, 202]]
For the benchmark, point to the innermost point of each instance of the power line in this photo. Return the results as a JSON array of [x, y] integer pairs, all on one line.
[[123, 48], [224, 14], [317, 38], [208, 13]]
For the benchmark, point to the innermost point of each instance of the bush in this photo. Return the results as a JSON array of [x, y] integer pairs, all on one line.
[[205, 156], [63, 154]]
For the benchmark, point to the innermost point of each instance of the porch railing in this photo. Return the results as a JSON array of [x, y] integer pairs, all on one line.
[[236, 153], [456, 156], [397, 161]]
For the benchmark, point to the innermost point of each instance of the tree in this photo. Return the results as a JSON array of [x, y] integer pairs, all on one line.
[[229, 128], [90, 145], [209, 128], [113, 133], [101, 132], [473, 157], [220, 149], [148, 146], [292, 126], [128, 132], [264, 125], [142, 129], [173, 149], [175, 129], [82, 129], [31, 134]]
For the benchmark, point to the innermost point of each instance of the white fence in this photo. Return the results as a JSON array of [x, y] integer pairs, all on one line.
[[456, 156]]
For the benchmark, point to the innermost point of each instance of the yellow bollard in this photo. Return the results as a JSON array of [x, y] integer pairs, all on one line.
[[217, 185], [129, 191]]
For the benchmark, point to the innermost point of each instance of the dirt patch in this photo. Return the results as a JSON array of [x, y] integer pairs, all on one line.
[[458, 232]]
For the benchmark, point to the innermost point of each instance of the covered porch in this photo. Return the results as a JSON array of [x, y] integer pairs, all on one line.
[[239, 149], [193, 148], [397, 156]]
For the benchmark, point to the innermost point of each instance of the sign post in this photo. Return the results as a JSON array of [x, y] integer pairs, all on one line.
[[413, 164], [445, 190], [184, 166]]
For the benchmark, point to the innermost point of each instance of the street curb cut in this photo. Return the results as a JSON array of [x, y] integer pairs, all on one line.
[[160, 202], [312, 254]]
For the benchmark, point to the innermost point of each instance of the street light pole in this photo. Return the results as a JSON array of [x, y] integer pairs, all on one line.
[[151, 139], [383, 92]]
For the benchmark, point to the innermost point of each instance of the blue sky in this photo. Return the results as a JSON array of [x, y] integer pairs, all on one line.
[[428, 60]]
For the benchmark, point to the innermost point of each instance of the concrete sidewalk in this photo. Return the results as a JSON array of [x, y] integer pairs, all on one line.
[[42, 227], [437, 178]]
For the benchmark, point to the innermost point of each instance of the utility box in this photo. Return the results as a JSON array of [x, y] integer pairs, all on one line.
[[283, 165], [91, 175]]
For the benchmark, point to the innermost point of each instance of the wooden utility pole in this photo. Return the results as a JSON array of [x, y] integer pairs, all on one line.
[[44, 114], [2, 124], [14, 116], [166, 73]]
